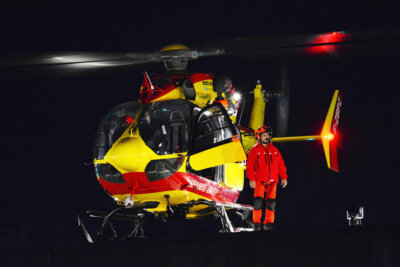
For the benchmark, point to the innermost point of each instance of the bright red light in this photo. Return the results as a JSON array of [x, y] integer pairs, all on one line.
[[329, 136], [129, 120], [326, 38]]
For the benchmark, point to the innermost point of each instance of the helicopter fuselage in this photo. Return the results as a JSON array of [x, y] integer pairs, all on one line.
[[175, 145]]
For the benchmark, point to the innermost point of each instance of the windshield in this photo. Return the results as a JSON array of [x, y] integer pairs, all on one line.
[[113, 126], [164, 126]]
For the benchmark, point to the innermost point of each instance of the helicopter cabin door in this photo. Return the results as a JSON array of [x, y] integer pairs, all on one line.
[[216, 140]]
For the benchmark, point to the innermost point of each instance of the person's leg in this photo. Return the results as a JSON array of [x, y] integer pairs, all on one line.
[[258, 204], [271, 203]]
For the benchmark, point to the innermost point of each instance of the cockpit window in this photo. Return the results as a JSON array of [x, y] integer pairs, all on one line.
[[164, 126], [113, 126], [213, 129]]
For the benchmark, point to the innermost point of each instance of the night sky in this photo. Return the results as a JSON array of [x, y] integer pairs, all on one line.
[[49, 118]]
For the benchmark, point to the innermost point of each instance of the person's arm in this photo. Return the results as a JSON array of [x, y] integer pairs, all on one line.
[[251, 158], [284, 183], [282, 171]]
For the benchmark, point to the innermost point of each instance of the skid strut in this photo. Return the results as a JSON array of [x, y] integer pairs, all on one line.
[[138, 216], [226, 223]]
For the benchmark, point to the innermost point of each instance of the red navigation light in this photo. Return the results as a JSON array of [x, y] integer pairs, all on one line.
[[329, 136], [327, 38], [129, 120]]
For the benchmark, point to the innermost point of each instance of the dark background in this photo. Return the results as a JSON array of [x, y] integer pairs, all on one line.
[[49, 118]]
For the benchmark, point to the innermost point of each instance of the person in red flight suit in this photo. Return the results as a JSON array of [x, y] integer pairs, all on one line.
[[264, 165]]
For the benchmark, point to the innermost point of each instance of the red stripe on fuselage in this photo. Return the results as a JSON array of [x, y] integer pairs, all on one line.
[[333, 143], [198, 77], [178, 181]]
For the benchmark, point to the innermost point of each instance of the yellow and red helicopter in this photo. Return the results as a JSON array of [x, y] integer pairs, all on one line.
[[179, 151]]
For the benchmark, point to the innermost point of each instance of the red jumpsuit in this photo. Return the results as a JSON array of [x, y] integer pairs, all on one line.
[[264, 165]]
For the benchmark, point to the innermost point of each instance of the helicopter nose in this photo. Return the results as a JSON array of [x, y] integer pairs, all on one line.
[[130, 154]]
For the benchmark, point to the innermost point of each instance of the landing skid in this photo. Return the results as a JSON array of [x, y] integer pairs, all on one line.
[[138, 216], [221, 212]]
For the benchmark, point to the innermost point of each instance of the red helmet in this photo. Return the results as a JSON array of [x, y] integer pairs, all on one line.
[[263, 129]]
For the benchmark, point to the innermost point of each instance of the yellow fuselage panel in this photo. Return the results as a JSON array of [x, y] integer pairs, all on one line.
[[234, 175], [248, 142], [258, 110], [204, 92], [176, 93], [131, 154], [227, 153]]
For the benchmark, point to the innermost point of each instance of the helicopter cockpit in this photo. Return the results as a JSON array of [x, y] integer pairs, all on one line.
[[164, 126], [171, 127], [113, 126]]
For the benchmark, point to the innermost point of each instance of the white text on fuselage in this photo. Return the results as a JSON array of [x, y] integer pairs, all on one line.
[[337, 114], [205, 188]]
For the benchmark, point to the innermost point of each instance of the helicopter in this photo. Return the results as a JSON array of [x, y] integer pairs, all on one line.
[[179, 151]]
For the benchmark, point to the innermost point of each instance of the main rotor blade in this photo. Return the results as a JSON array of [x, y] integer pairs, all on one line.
[[323, 44], [95, 60], [71, 59], [331, 43]]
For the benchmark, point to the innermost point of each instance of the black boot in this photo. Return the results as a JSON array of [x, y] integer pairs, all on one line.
[[257, 227], [267, 227]]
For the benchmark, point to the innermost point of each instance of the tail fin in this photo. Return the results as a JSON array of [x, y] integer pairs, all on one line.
[[328, 134], [329, 131]]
